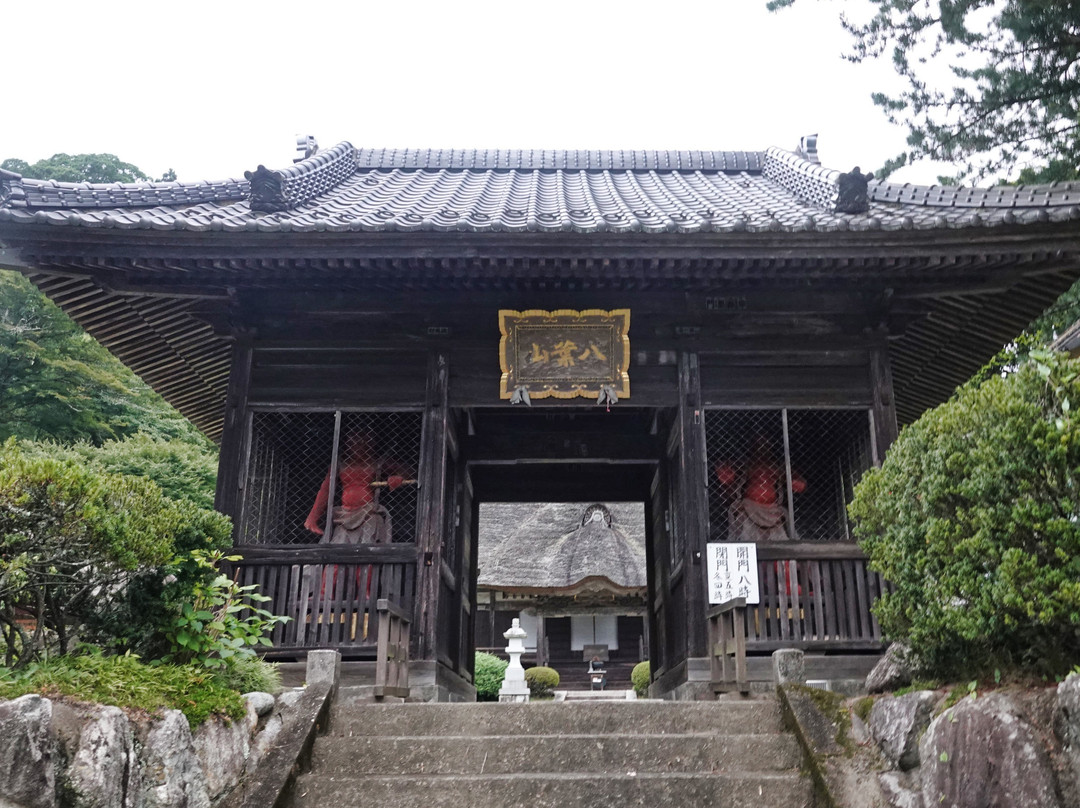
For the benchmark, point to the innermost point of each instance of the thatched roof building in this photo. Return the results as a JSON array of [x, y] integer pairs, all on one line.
[[563, 548]]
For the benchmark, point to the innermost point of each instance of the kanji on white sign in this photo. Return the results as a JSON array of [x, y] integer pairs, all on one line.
[[733, 572]]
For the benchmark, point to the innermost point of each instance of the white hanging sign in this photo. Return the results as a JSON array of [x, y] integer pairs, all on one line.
[[733, 572]]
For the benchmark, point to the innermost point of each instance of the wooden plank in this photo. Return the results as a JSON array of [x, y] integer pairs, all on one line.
[[863, 599], [325, 553], [775, 551], [817, 598], [767, 570], [850, 603], [879, 586], [884, 399]]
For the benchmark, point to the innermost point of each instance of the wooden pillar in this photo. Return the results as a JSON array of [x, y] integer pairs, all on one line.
[[884, 408], [693, 501], [232, 458], [431, 506], [541, 641]]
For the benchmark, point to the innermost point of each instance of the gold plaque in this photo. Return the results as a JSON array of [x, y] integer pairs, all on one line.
[[564, 353]]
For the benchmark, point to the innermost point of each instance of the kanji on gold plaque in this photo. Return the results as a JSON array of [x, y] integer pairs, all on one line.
[[564, 353]]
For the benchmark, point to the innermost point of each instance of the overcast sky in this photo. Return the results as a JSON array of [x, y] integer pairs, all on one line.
[[212, 89]]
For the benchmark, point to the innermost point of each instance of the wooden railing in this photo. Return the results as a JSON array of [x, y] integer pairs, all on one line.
[[331, 592], [814, 596], [727, 646], [392, 657]]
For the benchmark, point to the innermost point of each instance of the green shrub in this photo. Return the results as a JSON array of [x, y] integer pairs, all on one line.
[[145, 609], [488, 676], [222, 620], [248, 673], [126, 682], [541, 680], [71, 538], [639, 678], [974, 518]]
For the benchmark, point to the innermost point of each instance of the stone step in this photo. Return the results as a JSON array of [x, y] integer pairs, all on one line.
[[754, 716], [596, 695], [349, 756], [788, 790]]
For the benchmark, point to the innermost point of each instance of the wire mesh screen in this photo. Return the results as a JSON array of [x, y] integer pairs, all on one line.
[[290, 488], [784, 475]]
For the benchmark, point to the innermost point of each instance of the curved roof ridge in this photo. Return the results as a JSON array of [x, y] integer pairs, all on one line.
[[685, 160], [28, 192], [1049, 195]]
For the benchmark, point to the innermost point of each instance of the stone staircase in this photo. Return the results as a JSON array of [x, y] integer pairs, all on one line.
[[733, 754]]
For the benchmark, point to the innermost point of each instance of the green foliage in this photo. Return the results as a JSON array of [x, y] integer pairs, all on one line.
[[1055, 171], [222, 620], [183, 469], [975, 520], [917, 685], [956, 694], [246, 673], [104, 553], [126, 682], [541, 680], [1042, 331], [147, 605], [61, 385], [77, 168], [862, 708], [70, 538], [1015, 94], [488, 676], [640, 677]]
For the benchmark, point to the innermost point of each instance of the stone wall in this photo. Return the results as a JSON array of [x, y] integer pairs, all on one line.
[[56, 754], [1009, 747]]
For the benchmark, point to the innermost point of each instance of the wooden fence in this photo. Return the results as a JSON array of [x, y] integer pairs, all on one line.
[[814, 596], [331, 592]]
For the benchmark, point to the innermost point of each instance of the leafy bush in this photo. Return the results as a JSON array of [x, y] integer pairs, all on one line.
[[221, 622], [247, 673], [639, 678], [975, 520], [488, 676], [541, 680], [70, 539], [139, 615], [184, 468], [126, 682]]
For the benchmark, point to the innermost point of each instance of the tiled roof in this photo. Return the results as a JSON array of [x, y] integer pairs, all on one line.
[[369, 190]]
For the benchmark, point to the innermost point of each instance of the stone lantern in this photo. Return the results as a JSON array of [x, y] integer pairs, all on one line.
[[514, 687]]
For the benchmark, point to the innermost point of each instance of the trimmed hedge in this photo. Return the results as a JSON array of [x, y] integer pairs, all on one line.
[[541, 680], [640, 676], [974, 518], [488, 676]]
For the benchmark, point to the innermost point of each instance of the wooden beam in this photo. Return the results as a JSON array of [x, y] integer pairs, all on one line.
[[693, 499], [884, 406], [432, 507], [232, 460]]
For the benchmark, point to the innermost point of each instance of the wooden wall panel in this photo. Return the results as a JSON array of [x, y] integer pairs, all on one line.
[[336, 378]]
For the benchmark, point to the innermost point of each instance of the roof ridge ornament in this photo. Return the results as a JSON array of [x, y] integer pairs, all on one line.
[[852, 196], [306, 146], [277, 191], [807, 149], [10, 186]]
